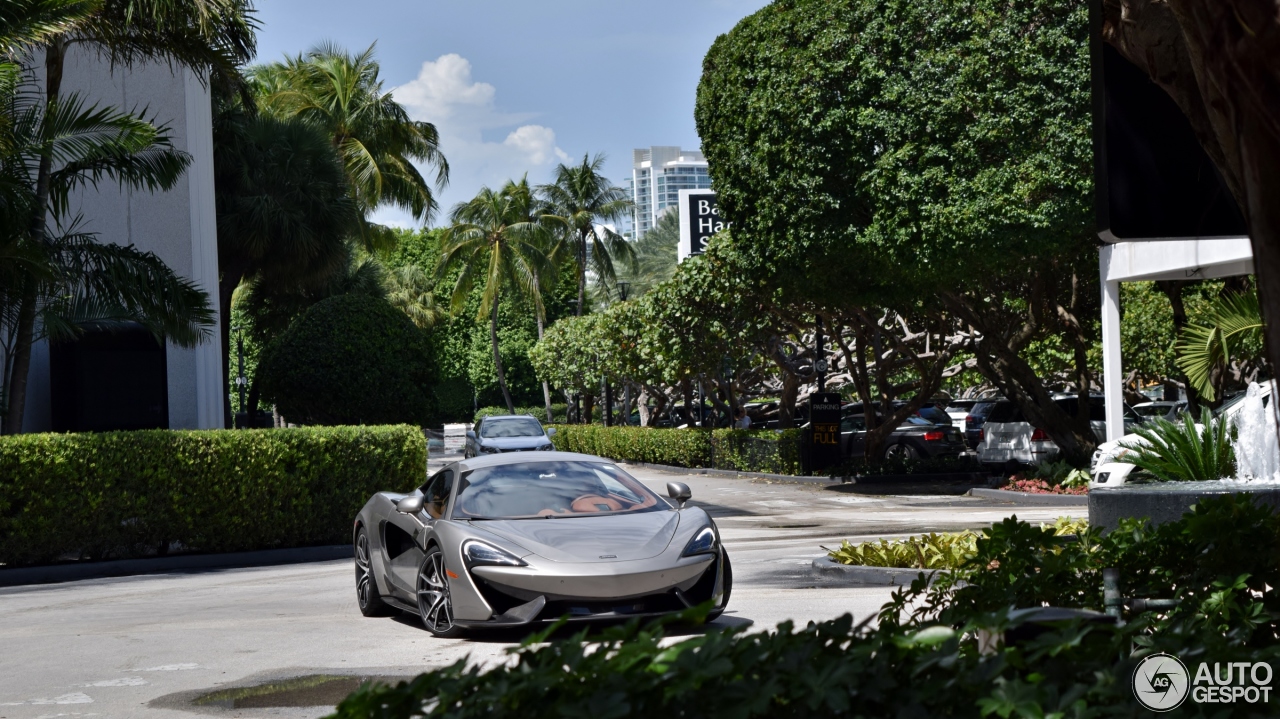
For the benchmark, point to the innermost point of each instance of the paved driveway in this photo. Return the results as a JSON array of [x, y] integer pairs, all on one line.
[[145, 646]]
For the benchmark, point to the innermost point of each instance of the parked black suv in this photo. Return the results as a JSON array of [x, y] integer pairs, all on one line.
[[915, 438]]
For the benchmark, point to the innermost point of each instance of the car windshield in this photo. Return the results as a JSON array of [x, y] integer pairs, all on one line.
[[1151, 410], [520, 427], [551, 489]]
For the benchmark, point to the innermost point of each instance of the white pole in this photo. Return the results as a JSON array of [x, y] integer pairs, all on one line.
[[1112, 366]]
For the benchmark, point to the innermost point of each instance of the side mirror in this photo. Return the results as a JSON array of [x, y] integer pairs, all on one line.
[[471, 434], [551, 431], [411, 504], [679, 491]]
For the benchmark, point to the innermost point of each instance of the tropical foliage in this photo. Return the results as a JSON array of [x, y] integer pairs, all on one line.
[[1231, 325], [1185, 450]]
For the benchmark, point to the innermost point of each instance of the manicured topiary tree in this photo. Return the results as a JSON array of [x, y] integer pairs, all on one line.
[[350, 359]]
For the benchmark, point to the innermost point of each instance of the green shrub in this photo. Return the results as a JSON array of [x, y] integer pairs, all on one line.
[[949, 550], [758, 450], [125, 494], [350, 359], [744, 450], [1183, 450]]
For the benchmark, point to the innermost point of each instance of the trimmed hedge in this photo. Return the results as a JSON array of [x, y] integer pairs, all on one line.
[[123, 494], [745, 450]]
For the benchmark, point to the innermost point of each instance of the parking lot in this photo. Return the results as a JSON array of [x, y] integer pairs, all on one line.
[[147, 646]]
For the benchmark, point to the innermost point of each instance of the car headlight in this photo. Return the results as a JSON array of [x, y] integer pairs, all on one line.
[[547, 448], [488, 450], [478, 552], [703, 542]]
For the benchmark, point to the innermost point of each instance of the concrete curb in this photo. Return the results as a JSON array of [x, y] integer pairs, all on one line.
[[1052, 500], [733, 473], [856, 575], [154, 565]]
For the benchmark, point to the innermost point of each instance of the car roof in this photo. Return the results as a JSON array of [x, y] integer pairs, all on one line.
[[495, 460]]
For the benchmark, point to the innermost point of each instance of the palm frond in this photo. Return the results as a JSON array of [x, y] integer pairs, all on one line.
[[1210, 340]]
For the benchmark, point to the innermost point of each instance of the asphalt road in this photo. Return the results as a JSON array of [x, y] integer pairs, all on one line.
[[147, 646]]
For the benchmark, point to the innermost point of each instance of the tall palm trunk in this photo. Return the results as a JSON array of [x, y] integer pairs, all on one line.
[[546, 388], [497, 356], [582, 268], [226, 289], [55, 53]]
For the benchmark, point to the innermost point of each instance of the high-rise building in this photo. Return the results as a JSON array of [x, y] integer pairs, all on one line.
[[657, 176]]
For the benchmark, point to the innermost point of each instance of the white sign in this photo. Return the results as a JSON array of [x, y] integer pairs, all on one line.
[[699, 221], [455, 437]]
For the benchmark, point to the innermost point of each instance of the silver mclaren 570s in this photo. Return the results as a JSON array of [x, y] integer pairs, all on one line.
[[523, 537]]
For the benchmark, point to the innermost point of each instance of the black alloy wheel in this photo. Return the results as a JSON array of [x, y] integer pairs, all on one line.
[[900, 451], [434, 603], [367, 596]]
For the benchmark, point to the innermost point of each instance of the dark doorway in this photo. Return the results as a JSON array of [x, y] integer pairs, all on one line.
[[108, 380]]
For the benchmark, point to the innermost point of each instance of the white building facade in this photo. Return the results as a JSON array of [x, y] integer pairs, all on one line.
[[657, 176], [178, 226]]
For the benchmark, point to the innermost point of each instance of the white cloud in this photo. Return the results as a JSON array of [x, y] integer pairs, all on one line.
[[463, 109]]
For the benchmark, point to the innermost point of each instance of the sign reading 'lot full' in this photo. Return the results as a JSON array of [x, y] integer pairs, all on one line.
[[699, 220]]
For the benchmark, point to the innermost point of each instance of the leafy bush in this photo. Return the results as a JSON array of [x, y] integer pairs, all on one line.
[[744, 450], [949, 550], [928, 551], [136, 492], [1183, 450], [349, 359], [559, 410], [922, 657]]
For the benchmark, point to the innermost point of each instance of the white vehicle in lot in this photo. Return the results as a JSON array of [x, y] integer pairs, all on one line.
[[1009, 439], [1106, 469]]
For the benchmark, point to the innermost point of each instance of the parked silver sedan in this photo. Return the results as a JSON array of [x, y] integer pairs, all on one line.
[[515, 539]]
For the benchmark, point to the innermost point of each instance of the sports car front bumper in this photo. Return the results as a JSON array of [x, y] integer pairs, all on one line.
[[550, 590]]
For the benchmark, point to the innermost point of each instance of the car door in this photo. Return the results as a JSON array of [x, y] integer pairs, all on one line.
[[853, 435], [403, 533]]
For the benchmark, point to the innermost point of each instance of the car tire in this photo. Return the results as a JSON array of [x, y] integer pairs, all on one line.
[[900, 451], [367, 596], [435, 606], [728, 588]]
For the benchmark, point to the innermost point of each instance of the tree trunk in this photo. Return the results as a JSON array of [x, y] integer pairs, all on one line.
[[686, 388], [54, 57], [642, 402], [497, 356], [546, 388], [1172, 289], [582, 270], [787, 400], [588, 407], [25, 339]]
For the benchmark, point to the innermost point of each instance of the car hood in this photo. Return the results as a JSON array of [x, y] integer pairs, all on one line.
[[515, 442], [612, 538]]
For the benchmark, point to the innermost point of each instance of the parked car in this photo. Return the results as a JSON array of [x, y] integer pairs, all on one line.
[[1009, 439], [974, 421], [915, 438], [959, 411], [507, 433], [1149, 411], [932, 413]]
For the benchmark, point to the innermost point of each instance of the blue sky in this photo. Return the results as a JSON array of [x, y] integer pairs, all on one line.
[[518, 87]]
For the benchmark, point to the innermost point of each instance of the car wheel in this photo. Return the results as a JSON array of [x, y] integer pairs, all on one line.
[[434, 603], [900, 451], [728, 587], [367, 596]]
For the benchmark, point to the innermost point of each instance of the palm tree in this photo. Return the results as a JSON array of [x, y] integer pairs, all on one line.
[[1229, 323], [373, 134], [284, 212], [74, 146], [656, 254], [581, 197], [410, 290], [496, 242]]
